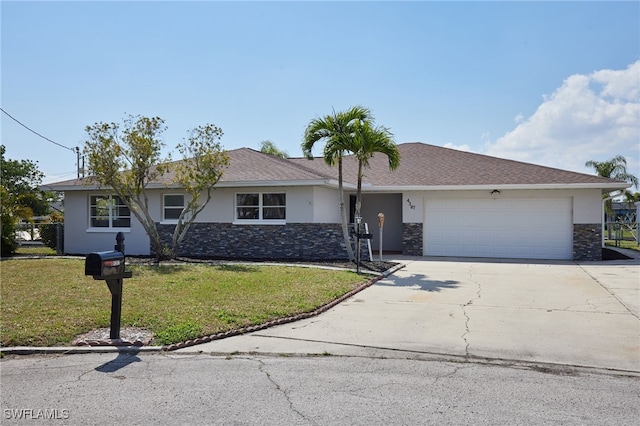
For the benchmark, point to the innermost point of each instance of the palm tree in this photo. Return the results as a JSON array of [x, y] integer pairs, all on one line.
[[337, 132], [369, 140], [615, 168]]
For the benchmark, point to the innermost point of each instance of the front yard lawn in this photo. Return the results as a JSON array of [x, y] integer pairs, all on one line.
[[49, 301]]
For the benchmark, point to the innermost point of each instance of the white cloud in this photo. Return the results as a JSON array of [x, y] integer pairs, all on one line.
[[458, 147], [518, 118], [590, 117]]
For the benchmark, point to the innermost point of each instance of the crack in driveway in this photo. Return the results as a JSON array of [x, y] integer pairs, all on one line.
[[466, 315]]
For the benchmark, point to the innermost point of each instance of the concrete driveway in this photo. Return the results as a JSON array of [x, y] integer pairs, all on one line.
[[577, 314]]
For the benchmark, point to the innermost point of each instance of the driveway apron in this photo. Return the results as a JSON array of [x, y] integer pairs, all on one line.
[[580, 314]]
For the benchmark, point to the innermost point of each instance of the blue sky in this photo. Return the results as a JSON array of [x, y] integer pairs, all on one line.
[[549, 83]]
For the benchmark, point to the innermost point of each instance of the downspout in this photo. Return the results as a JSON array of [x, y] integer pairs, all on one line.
[[638, 223], [604, 200]]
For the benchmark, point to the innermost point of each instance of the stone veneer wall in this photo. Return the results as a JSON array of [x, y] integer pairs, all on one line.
[[412, 239], [587, 241], [295, 241]]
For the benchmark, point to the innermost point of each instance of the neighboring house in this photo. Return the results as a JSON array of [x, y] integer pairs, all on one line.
[[438, 202], [623, 212]]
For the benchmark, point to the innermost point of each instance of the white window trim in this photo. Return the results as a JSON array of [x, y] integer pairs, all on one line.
[[106, 229], [260, 221], [171, 221]]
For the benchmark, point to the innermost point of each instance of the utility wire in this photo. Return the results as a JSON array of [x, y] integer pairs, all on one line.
[[33, 131]]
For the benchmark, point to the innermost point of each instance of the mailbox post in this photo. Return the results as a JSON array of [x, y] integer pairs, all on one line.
[[380, 225], [360, 236], [109, 266]]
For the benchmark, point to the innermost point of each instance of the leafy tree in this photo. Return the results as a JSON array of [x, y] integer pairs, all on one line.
[[369, 140], [8, 223], [127, 159], [21, 197], [269, 147], [631, 198], [337, 131]]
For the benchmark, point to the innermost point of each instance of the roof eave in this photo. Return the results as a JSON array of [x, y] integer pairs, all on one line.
[[263, 183], [605, 187], [236, 184]]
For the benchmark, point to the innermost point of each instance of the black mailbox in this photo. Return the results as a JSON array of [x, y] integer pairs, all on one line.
[[106, 264], [109, 266]]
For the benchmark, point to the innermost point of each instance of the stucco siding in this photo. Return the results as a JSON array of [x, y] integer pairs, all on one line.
[[586, 204], [325, 205], [79, 238]]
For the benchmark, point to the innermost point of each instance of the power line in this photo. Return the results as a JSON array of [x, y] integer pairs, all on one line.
[[33, 131]]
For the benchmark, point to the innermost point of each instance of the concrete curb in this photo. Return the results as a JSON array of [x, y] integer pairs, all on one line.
[[64, 350]]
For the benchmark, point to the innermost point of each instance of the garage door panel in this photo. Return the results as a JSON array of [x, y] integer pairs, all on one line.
[[508, 228]]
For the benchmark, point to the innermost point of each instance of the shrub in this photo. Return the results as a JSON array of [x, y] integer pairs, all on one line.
[[9, 244], [49, 235]]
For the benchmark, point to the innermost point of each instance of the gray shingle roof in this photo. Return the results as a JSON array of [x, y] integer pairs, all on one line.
[[248, 165], [421, 165], [430, 165]]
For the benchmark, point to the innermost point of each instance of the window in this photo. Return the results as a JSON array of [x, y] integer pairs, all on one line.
[[172, 207], [262, 207], [109, 211]]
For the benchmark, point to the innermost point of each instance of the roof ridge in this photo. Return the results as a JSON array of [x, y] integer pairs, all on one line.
[[290, 163]]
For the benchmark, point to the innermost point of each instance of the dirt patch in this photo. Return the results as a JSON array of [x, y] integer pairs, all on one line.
[[609, 254], [129, 336]]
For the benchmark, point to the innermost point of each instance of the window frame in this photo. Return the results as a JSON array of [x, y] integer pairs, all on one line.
[[164, 207], [114, 204], [260, 208]]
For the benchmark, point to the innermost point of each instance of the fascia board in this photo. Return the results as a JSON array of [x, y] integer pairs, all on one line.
[[63, 188], [605, 187], [238, 184], [307, 182]]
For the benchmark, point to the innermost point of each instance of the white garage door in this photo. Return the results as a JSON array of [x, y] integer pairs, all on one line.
[[502, 228]]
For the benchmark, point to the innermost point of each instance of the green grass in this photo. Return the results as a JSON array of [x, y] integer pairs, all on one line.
[[627, 244], [49, 301], [35, 251]]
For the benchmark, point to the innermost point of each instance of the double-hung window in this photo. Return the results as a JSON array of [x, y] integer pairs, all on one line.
[[264, 207], [172, 206], [108, 211]]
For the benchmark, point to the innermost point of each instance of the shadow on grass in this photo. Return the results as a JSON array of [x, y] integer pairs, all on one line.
[[421, 282], [237, 268], [159, 269]]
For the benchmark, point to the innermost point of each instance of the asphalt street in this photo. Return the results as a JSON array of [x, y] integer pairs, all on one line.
[[439, 341], [171, 388]]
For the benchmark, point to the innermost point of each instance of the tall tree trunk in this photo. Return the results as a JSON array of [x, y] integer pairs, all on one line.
[[358, 213], [343, 213], [142, 214]]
